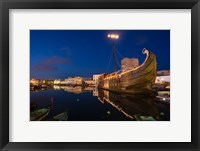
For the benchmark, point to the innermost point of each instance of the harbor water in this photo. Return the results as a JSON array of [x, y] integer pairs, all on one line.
[[77, 103]]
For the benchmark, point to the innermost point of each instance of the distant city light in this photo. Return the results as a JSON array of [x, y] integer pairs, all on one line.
[[113, 36]]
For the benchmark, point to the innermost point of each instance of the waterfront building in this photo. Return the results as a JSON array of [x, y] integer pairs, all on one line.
[[129, 63], [100, 81], [74, 81], [89, 82], [163, 76], [96, 78], [163, 79], [163, 73], [34, 82], [63, 82], [50, 82], [43, 82], [57, 82]]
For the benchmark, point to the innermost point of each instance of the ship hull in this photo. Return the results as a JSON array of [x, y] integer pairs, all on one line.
[[137, 80]]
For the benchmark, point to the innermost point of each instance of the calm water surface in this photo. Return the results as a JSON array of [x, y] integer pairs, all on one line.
[[91, 104]]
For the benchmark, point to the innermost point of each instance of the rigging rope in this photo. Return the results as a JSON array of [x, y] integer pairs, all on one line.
[[109, 63], [118, 63], [119, 53], [116, 59]]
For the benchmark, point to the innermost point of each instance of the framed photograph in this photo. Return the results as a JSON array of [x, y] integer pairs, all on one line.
[[91, 75]]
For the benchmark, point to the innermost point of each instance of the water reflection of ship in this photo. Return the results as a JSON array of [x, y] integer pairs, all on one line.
[[89, 88], [131, 106]]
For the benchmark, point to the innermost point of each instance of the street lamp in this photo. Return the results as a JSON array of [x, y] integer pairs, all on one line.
[[113, 37]]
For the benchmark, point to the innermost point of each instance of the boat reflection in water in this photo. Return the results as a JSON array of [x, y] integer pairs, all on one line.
[[135, 107], [75, 103]]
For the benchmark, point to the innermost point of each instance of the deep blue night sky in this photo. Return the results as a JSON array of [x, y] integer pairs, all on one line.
[[62, 53]]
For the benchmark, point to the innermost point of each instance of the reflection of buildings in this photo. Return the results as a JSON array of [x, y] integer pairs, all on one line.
[[88, 88], [75, 89], [56, 87], [70, 89], [95, 92], [129, 63]]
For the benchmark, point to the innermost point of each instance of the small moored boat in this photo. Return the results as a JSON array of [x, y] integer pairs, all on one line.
[[42, 113], [61, 117], [39, 114]]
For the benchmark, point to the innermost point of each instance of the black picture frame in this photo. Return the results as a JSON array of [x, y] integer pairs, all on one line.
[[5, 5]]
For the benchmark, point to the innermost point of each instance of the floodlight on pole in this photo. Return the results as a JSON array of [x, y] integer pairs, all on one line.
[[114, 37]]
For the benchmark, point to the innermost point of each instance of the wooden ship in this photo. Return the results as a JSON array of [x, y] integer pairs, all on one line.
[[136, 80]]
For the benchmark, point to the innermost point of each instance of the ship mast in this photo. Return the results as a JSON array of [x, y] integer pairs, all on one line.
[[114, 37]]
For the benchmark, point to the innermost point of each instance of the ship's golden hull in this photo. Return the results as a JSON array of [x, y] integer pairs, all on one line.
[[138, 80]]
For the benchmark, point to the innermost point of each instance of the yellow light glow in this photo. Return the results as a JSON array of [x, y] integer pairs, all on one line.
[[113, 36]]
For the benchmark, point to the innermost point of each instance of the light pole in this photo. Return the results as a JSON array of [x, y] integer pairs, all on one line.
[[114, 37]]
